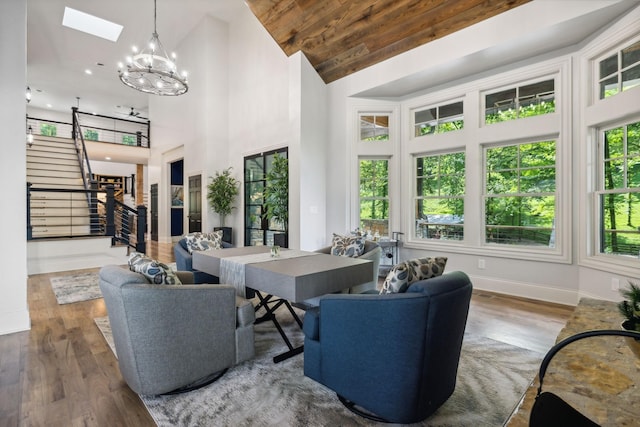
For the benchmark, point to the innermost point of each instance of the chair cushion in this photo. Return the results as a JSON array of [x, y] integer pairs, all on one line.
[[203, 241], [157, 272], [405, 273], [349, 246]]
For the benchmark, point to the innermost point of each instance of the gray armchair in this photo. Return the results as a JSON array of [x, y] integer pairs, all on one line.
[[372, 251], [174, 338]]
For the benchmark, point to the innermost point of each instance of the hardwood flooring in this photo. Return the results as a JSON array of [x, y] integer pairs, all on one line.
[[62, 373]]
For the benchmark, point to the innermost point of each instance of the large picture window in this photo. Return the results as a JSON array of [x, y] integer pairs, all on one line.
[[619, 195], [439, 196], [620, 71], [528, 100], [520, 194], [374, 196]]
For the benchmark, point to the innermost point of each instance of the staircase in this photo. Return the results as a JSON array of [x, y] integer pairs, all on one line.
[[52, 163]]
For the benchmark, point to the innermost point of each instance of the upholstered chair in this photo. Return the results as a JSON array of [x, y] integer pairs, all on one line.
[[390, 357], [184, 262], [172, 338], [373, 252]]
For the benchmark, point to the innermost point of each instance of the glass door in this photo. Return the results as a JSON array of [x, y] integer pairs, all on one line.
[[257, 230]]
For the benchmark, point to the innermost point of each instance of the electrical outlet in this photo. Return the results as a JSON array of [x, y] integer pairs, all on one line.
[[615, 284], [481, 263]]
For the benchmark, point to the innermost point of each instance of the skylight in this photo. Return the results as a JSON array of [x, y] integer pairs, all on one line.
[[91, 24]]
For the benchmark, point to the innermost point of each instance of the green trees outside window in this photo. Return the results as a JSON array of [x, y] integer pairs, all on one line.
[[47, 129], [374, 196], [619, 198], [520, 194], [444, 118], [439, 200], [90, 135], [524, 101], [129, 140], [620, 71]]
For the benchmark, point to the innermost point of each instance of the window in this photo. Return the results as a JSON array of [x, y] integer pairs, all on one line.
[[620, 71], [90, 135], [374, 127], [444, 118], [524, 101], [129, 140], [619, 195], [520, 194], [374, 196], [439, 197], [47, 129]]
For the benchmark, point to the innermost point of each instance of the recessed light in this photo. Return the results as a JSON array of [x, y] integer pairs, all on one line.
[[88, 71], [91, 24], [49, 106], [107, 158]]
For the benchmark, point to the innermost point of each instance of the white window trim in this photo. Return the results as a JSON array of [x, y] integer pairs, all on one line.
[[472, 137], [370, 150], [411, 230], [558, 198], [414, 110], [516, 85], [595, 113]]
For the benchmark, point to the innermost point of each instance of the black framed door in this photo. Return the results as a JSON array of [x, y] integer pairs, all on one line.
[[257, 230], [154, 211], [195, 203]]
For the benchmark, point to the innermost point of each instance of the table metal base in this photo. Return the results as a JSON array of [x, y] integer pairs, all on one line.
[[271, 304]]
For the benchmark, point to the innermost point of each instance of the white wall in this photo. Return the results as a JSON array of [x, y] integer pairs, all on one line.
[[14, 312], [193, 126], [308, 154], [259, 108]]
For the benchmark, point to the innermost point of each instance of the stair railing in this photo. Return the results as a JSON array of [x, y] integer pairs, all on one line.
[[108, 217], [81, 149]]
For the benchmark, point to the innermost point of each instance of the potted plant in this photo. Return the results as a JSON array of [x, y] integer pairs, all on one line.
[[221, 192], [276, 197], [629, 308]]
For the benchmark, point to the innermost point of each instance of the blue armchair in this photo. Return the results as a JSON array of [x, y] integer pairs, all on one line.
[[390, 357], [184, 262]]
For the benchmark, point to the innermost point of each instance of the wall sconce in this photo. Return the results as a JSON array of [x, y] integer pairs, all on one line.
[[30, 136], [28, 94]]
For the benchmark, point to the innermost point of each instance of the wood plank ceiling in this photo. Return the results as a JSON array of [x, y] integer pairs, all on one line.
[[340, 37]]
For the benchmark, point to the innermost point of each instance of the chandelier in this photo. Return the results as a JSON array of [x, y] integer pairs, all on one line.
[[151, 70]]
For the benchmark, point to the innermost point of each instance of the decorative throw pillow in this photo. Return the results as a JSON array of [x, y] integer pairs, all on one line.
[[405, 273], [349, 246], [204, 241], [157, 272], [396, 280], [425, 268]]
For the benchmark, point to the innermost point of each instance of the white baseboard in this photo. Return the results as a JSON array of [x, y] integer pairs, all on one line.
[[526, 290]]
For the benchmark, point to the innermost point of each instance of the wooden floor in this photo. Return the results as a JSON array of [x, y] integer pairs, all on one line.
[[62, 373]]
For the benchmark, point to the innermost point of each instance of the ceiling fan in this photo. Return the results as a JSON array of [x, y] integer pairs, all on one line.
[[132, 114]]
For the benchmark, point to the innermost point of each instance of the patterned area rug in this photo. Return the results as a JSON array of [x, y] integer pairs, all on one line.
[[491, 380], [80, 287], [76, 287]]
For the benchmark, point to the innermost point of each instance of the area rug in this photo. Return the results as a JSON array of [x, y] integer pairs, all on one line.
[[492, 377], [80, 287], [76, 287]]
